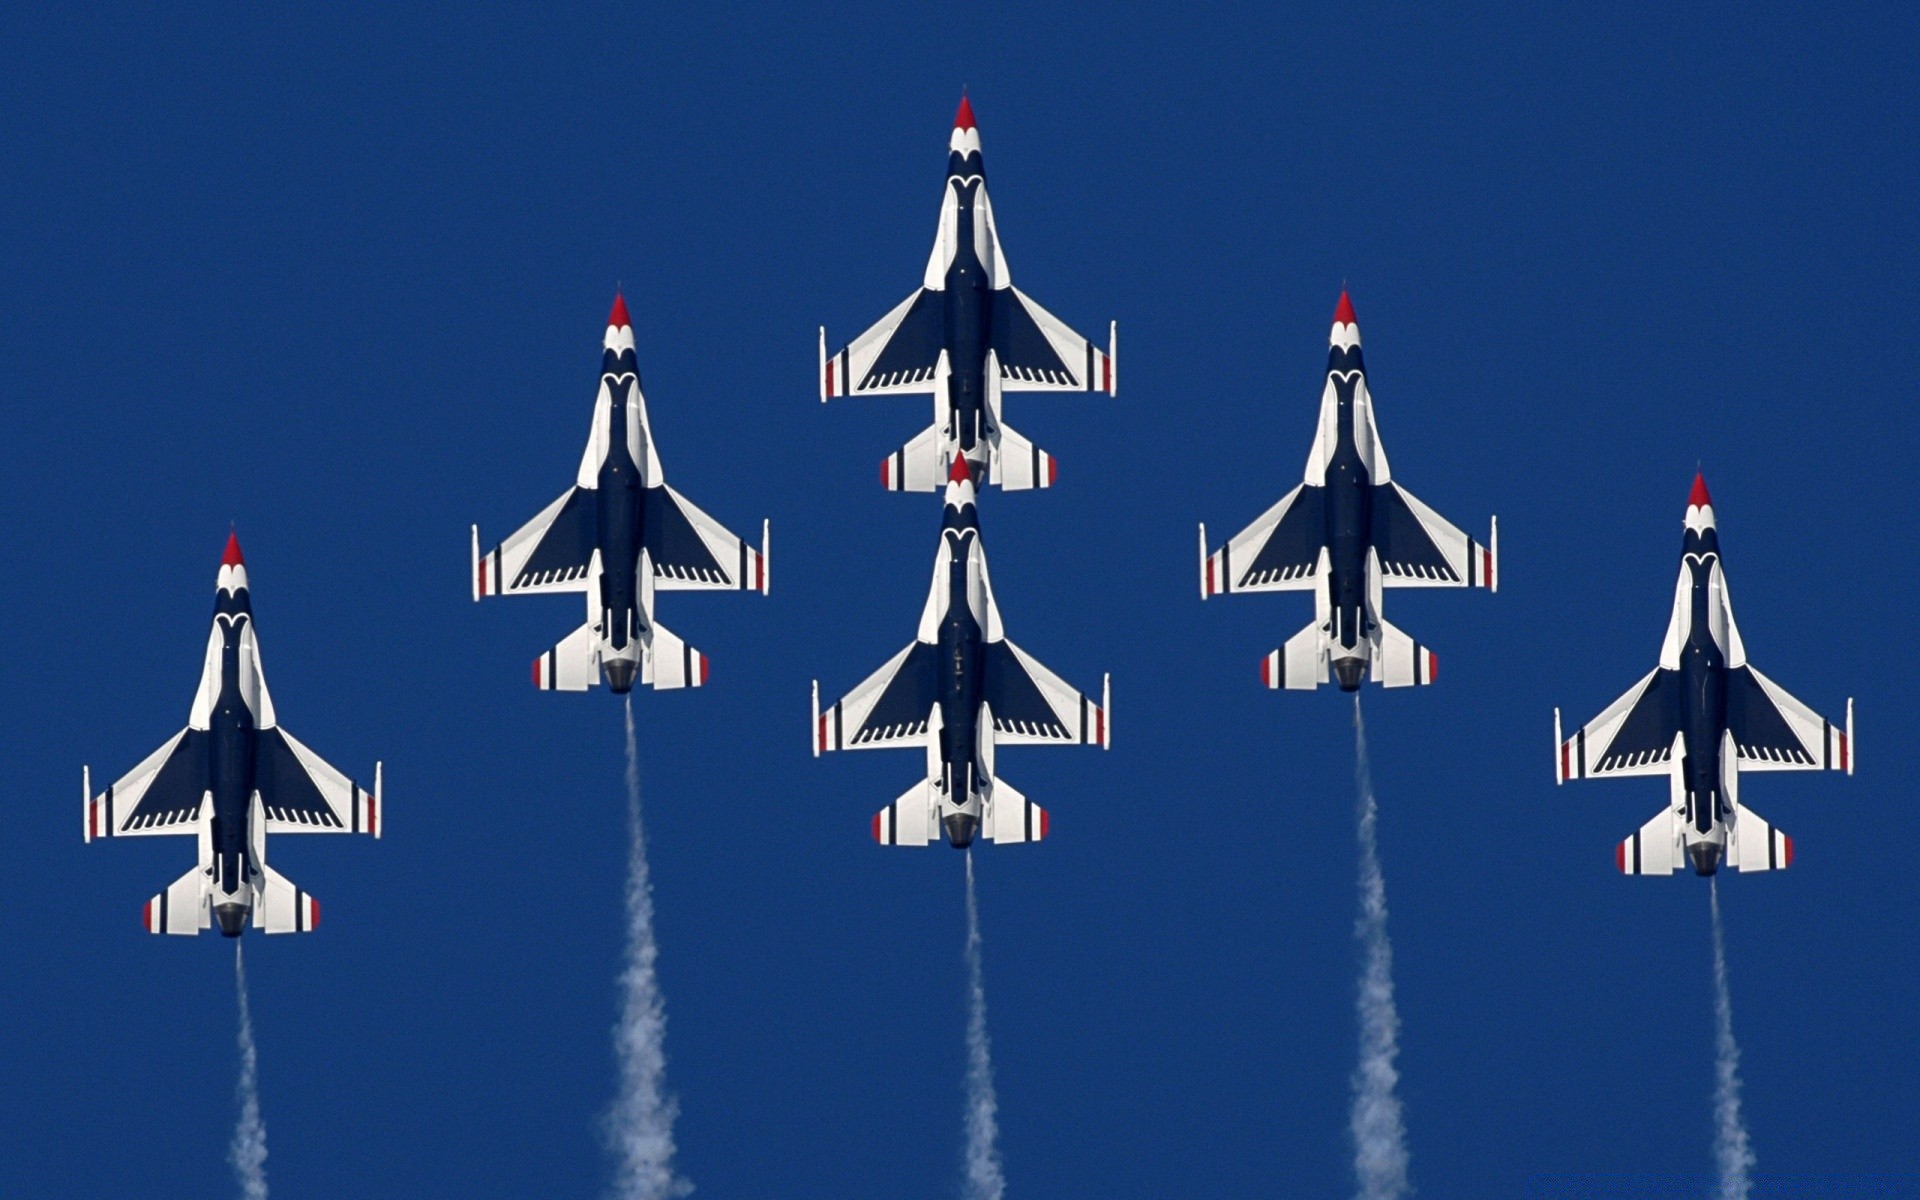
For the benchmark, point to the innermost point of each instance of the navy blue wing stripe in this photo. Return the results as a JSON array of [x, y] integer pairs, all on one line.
[[1757, 725], [565, 549], [913, 350], [176, 789], [677, 548], [1403, 542], [285, 786]]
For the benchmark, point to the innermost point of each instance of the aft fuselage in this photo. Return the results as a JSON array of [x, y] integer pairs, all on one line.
[[968, 311], [620, 528], [1349, 535], [1703, 697], [960, 643], [232, 728]]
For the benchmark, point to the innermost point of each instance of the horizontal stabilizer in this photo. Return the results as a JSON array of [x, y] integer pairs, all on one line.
[[282, 907], [1011, 817], [182, 908], [1300, 665], [1756, 845], [1399, 661], [671, 663], [908, 821], [1655, 850], [1019, 465], [571, 666], [919, 466]]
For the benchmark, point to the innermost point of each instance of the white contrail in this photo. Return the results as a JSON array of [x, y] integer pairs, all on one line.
[[984, 1178], [641, 1123], [248, 1154], [1379, 1132], [1730, 1146]]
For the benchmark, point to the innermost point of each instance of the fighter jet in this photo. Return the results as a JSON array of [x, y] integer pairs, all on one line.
[[1701, 718], [958, 689], [230, 778], [619, 534], [1347, 533], [966, 334]]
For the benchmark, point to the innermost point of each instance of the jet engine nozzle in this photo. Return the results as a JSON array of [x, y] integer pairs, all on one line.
[[1705, 856], [232, 919], [620, 674], [1349, 671], [960, 829]]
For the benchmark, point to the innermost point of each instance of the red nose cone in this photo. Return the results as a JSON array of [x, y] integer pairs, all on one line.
[[964, 118], [618, 317], [232, 556], [959, 474], [1699, 498], [1343, 312]]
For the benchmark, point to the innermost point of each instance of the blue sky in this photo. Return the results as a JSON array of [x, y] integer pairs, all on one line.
[[339, 277]]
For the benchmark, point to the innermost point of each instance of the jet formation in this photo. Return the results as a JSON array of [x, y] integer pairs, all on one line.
[[1701, 717], [958, 690], [230, 778], [1346, 533], [620, 534], [967, 335]]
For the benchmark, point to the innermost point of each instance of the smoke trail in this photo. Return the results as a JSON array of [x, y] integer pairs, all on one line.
[[984, 1178], [641, 1123], [1379, 1133], [248, 1153], [1730, 1146]]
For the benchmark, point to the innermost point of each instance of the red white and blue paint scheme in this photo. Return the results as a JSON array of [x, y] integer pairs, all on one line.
[[620, 534], [958, 689], [229, 779], [1702, 718], [1347, 533], [967, 335]]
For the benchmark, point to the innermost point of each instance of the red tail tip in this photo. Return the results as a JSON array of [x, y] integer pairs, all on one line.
[[1788, 847], [1343, 312], [1699, 497], [231, 558], [964, 118], [876, 826], [618, 317], [960, 473]]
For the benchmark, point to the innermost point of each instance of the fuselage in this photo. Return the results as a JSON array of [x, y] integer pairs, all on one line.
[[1349, 535], [1703, 698], [960, 688], [232, 727], [967, 297], [620, 494]]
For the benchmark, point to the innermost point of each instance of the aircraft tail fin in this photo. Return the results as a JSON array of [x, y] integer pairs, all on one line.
[[283, 908], [920, 465], [1301, 664], [1399, 661], [908, 821], [182, 908], [1655, 850], [1019, 465], [1011, 817], [1756, 845], [671, 663], [570, 666]]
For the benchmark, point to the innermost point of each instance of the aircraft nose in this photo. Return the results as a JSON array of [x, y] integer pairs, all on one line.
[[1705, 856], [231, 917], [960, 829], [1349, 672], [620, 673]]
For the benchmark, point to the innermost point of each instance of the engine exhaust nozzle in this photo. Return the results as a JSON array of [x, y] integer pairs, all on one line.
[[232, 919]]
